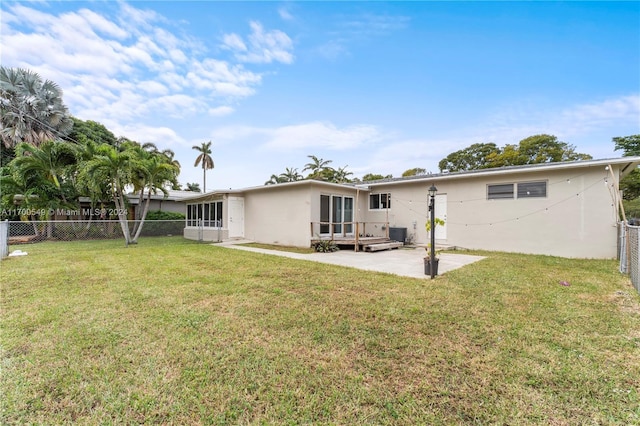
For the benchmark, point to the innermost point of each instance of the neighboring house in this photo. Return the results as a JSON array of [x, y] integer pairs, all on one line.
[[172, 202], [568, 209]]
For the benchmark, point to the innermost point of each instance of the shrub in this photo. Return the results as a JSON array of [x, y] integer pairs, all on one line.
[[325, 246], [163, 223], [160, 215]]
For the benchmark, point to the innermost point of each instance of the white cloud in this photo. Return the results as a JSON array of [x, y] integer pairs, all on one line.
[[285, 14], [125, 65], [349, 29], [317, 134], [234, 42], [515, 122], [160, 136], [220, 111], [153, 87], [368, 25], [262, 46], [321, 134], [604, 113]]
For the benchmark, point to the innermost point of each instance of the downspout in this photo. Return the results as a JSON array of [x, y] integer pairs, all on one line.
[[617, 199], [388, 202]]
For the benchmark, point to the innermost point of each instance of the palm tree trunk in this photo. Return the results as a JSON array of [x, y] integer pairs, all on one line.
[[118, 199], [136, 223], [144, 215], [204, 178]]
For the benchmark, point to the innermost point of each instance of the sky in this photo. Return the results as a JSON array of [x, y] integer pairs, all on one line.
[[376, 87]]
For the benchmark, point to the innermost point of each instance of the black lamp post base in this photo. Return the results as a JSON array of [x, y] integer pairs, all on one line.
[[427, 266]]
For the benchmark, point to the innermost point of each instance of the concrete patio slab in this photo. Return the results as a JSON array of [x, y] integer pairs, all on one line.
[[407, 262]]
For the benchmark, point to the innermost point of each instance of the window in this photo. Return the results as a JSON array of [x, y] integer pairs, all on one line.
[[379, 201], [523, 190], [532, 189], [336, 214], [205, 214], [500, 192]]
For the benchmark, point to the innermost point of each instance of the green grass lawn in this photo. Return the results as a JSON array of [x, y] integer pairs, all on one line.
[[175, 332]]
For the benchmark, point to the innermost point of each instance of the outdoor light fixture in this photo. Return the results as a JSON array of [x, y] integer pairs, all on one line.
[[432, 209]]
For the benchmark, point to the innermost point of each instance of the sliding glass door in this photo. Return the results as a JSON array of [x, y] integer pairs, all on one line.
[[336, 215]]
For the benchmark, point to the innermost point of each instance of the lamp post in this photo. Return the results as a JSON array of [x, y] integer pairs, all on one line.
[[432, 210]]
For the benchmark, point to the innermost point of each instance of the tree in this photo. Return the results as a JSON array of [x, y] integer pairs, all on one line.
[[290, 175], [371, 176], [316, 167], [158, 171], [194, 187], [340, 175], [118, 168], [275, 179], [532, 150], [630, 184], [205, 159], [32, 110], [547, 149], [471, 158], [416, 171], [630, 145], [83, 131], [52, 161], [42, 177]]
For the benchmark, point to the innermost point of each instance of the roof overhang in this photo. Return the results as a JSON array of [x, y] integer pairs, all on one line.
[[624, 164], [218, 193]]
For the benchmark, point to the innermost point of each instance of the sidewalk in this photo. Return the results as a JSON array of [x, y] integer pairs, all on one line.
[[407, 262]]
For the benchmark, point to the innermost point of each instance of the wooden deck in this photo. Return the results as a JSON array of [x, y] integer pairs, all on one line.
[[363, 243]]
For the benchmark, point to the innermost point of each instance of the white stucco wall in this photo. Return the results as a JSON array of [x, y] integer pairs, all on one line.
[[278, 215], [576, 219]]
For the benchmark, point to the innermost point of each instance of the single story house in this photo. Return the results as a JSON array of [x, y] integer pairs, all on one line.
[[172, 202], [568, 209]]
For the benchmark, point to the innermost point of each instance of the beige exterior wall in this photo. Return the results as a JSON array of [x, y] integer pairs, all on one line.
[[208, 234], [278, 215], [167, 206], [284, 214], [577, 218]]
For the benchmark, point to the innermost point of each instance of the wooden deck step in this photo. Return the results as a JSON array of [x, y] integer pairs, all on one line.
[[382, 246]]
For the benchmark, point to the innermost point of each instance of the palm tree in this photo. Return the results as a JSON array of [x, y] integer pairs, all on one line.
[[158, 172], [275, 179], [52, 161], [290, 175], [194, 187], [341, 175], [117, 168], [205, 159], [316, 167], [32, 109]]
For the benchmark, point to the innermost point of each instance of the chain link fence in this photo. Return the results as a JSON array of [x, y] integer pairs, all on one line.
[[76, 230], [629, 249]]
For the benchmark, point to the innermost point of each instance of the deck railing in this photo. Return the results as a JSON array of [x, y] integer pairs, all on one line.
[[333, 230]]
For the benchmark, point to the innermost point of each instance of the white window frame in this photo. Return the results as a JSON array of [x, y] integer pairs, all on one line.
[[196, 214], [338, 225], [517, 190], [383, 203]]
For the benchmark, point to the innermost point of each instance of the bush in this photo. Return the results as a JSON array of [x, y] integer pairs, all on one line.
[[160, 215], [325, 246], [163, 223]]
